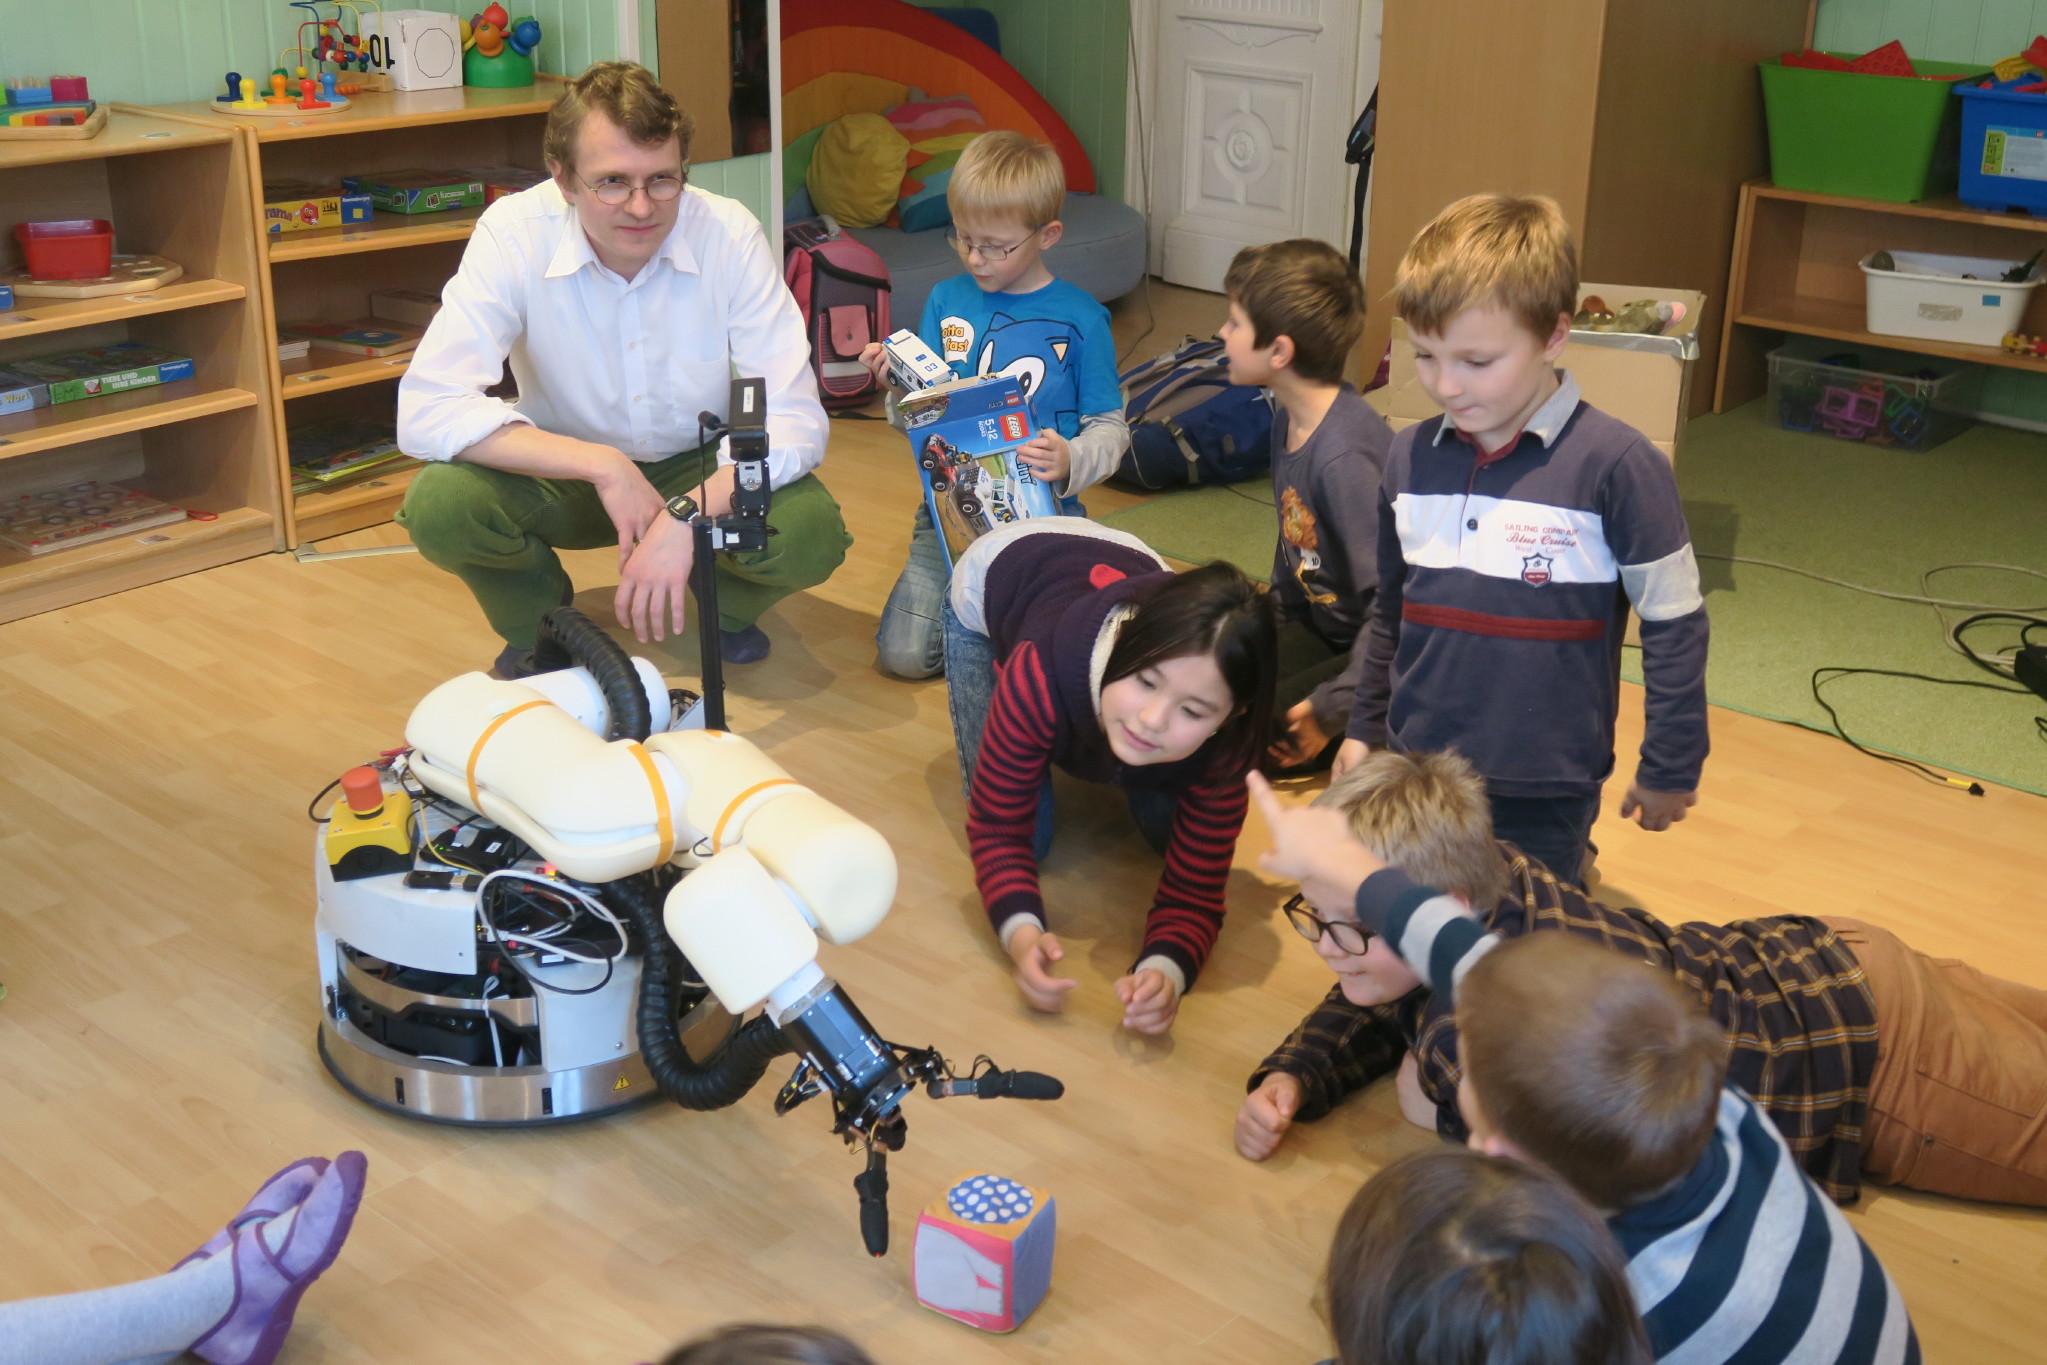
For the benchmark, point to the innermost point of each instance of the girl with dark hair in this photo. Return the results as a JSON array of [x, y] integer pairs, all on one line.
[[1448, 1257], [1067, 642]]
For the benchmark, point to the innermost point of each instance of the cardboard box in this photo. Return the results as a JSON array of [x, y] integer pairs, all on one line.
[[416, 306], [20, 392], [417, 191], [1644, 381], [964, 436], [103, 370], [499, 181], [302, 205]]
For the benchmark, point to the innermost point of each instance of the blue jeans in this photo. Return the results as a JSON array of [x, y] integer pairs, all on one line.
[[910, 641], [968, 658], [1553, 830]]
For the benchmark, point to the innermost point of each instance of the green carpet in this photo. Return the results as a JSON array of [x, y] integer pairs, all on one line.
[[1865, 514]]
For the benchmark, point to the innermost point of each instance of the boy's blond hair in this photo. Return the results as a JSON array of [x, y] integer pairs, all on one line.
[[1007, 174], [627, 94], [1602, 1068], [1427, 815], [1515, 252], [1305, 290]]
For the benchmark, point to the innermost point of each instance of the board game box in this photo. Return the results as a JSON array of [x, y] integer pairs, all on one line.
[[101, 370], [302, 205], [59, 518], [363, 336], [328, 452], [964, 436], [414, 191]]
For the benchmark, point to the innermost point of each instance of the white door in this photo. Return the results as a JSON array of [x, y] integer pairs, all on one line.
[[1254, 99]]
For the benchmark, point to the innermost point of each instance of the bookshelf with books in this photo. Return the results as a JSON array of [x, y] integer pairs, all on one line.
[[194, 439], [327, 274]]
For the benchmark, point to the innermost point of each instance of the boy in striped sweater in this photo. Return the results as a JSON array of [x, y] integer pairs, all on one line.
[[1605, 1072], [1515, 532]]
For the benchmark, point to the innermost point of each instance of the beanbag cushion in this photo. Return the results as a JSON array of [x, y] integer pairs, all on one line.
[[857, 170]]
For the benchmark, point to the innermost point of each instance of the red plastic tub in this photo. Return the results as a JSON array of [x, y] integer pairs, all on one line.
[[73, 249]]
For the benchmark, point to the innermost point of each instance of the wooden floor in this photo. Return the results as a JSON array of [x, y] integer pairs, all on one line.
[[157, 749]]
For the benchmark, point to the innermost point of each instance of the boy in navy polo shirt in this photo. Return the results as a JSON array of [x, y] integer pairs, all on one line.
[[1515, 532], [1008, 315]]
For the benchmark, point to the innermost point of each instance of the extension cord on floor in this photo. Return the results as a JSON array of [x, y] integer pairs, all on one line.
[[2029, 666]]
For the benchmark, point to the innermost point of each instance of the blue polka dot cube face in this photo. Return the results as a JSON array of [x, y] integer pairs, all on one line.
[[989, 1199]]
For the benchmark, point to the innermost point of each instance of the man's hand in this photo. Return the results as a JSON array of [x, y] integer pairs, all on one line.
[[1349, 754], [874, 356], [1266, 1114], [1049, 456], [1304, 737], [1150, 1002], [1314, 846], [632, 503], [1656, 811], [654, 584], [1034, 951]]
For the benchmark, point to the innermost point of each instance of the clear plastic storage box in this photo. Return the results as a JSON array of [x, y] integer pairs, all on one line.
[[1864, 393]]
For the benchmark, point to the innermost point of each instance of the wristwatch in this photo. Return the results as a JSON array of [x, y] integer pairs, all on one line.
[[683, 508]]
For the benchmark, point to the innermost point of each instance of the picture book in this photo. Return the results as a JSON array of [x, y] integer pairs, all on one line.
[[59, 518], [364, 336], [964, 436], [330, 451]]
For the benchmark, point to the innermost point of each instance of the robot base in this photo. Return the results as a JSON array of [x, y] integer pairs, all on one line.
[[478, 1096]]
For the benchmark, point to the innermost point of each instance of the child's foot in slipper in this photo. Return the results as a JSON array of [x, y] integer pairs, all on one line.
[[280, 1192], [270, 1278]]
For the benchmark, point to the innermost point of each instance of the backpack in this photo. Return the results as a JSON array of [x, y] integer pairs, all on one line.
[[1189, 424], [841, 288]]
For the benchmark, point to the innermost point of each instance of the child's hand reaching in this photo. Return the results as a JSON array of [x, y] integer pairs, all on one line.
[[1656, 811], [1304, 737], [1266, 1114], [874, 356], [1150, 1001], [1314, 846], [1034, 951], [1049, 456]]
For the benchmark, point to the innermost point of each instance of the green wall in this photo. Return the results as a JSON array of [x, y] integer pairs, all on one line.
[[1077, 54], [1949, 31]]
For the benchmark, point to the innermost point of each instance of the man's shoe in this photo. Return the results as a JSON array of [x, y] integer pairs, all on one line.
[[747, 646], [513, 663]]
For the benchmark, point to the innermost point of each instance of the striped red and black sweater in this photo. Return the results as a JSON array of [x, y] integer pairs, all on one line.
[[1053, 605]]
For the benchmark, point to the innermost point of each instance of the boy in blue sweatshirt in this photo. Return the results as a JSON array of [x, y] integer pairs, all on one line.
[[1008, 315], [1516, 530]]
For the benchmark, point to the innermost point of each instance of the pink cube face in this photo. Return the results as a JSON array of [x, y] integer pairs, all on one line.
[[964, 1273], [984, 1251]]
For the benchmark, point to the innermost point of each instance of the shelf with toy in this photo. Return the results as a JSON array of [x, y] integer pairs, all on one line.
[[326, 371], [65, 424], [351, 507], [31, 316], [384, 232], [1796, 269], [374, 111]]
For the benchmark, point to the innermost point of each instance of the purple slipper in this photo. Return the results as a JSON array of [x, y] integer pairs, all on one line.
[[268, 1283], [280, 1192]]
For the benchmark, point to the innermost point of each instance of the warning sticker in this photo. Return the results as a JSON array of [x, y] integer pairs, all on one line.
[[2020, 153], [622, 1084]]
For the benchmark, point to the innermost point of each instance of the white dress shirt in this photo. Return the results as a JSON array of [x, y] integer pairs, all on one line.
[[625, 363]]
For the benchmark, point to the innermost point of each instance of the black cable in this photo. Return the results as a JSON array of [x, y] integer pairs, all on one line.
[[2027, 624], [486, 913], [1919, 770], [310, 805]]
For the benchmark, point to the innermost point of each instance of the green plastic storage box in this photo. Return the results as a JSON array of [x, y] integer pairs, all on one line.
[[1870, 137]]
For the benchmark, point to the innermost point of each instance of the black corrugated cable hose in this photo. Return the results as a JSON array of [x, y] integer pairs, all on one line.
[[736, 1068], [569, 638]]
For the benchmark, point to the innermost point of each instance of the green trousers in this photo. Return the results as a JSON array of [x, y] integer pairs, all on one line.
[[498, 533]]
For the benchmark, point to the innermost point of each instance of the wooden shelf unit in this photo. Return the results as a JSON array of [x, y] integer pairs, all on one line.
[[327, 275], [1795, 271], [208, 443]]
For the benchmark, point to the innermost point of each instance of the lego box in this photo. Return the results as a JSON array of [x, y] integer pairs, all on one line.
[[103, 370], [415, 191], [302, 205], [964, 436]]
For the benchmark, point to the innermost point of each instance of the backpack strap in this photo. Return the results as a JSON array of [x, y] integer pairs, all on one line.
[[1187, 451], [819, 261]]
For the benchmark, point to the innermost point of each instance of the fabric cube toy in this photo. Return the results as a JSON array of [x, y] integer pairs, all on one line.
[[984, 1251]]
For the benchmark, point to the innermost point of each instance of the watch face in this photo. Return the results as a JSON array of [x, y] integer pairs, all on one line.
[[682, 507]]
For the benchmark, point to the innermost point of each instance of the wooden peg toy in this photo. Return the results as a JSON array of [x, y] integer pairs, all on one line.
[[278, 94], [248, 99], [234, 88]]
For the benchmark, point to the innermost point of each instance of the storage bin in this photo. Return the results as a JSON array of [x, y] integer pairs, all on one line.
[[1927, 297], [1875, 137], [1883, 398], [2004, 147], [72, 249]]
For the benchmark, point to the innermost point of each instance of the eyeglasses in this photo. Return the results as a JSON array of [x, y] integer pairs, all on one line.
[[988, 253], [615, 190], [1350, 937]]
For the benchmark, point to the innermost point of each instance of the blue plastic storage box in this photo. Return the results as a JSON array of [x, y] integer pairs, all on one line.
[[2004, 147]]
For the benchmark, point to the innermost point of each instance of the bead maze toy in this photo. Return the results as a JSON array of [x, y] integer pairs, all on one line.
[[984, 1251]]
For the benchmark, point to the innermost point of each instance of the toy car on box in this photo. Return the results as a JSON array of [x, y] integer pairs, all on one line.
[[965, 435]]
